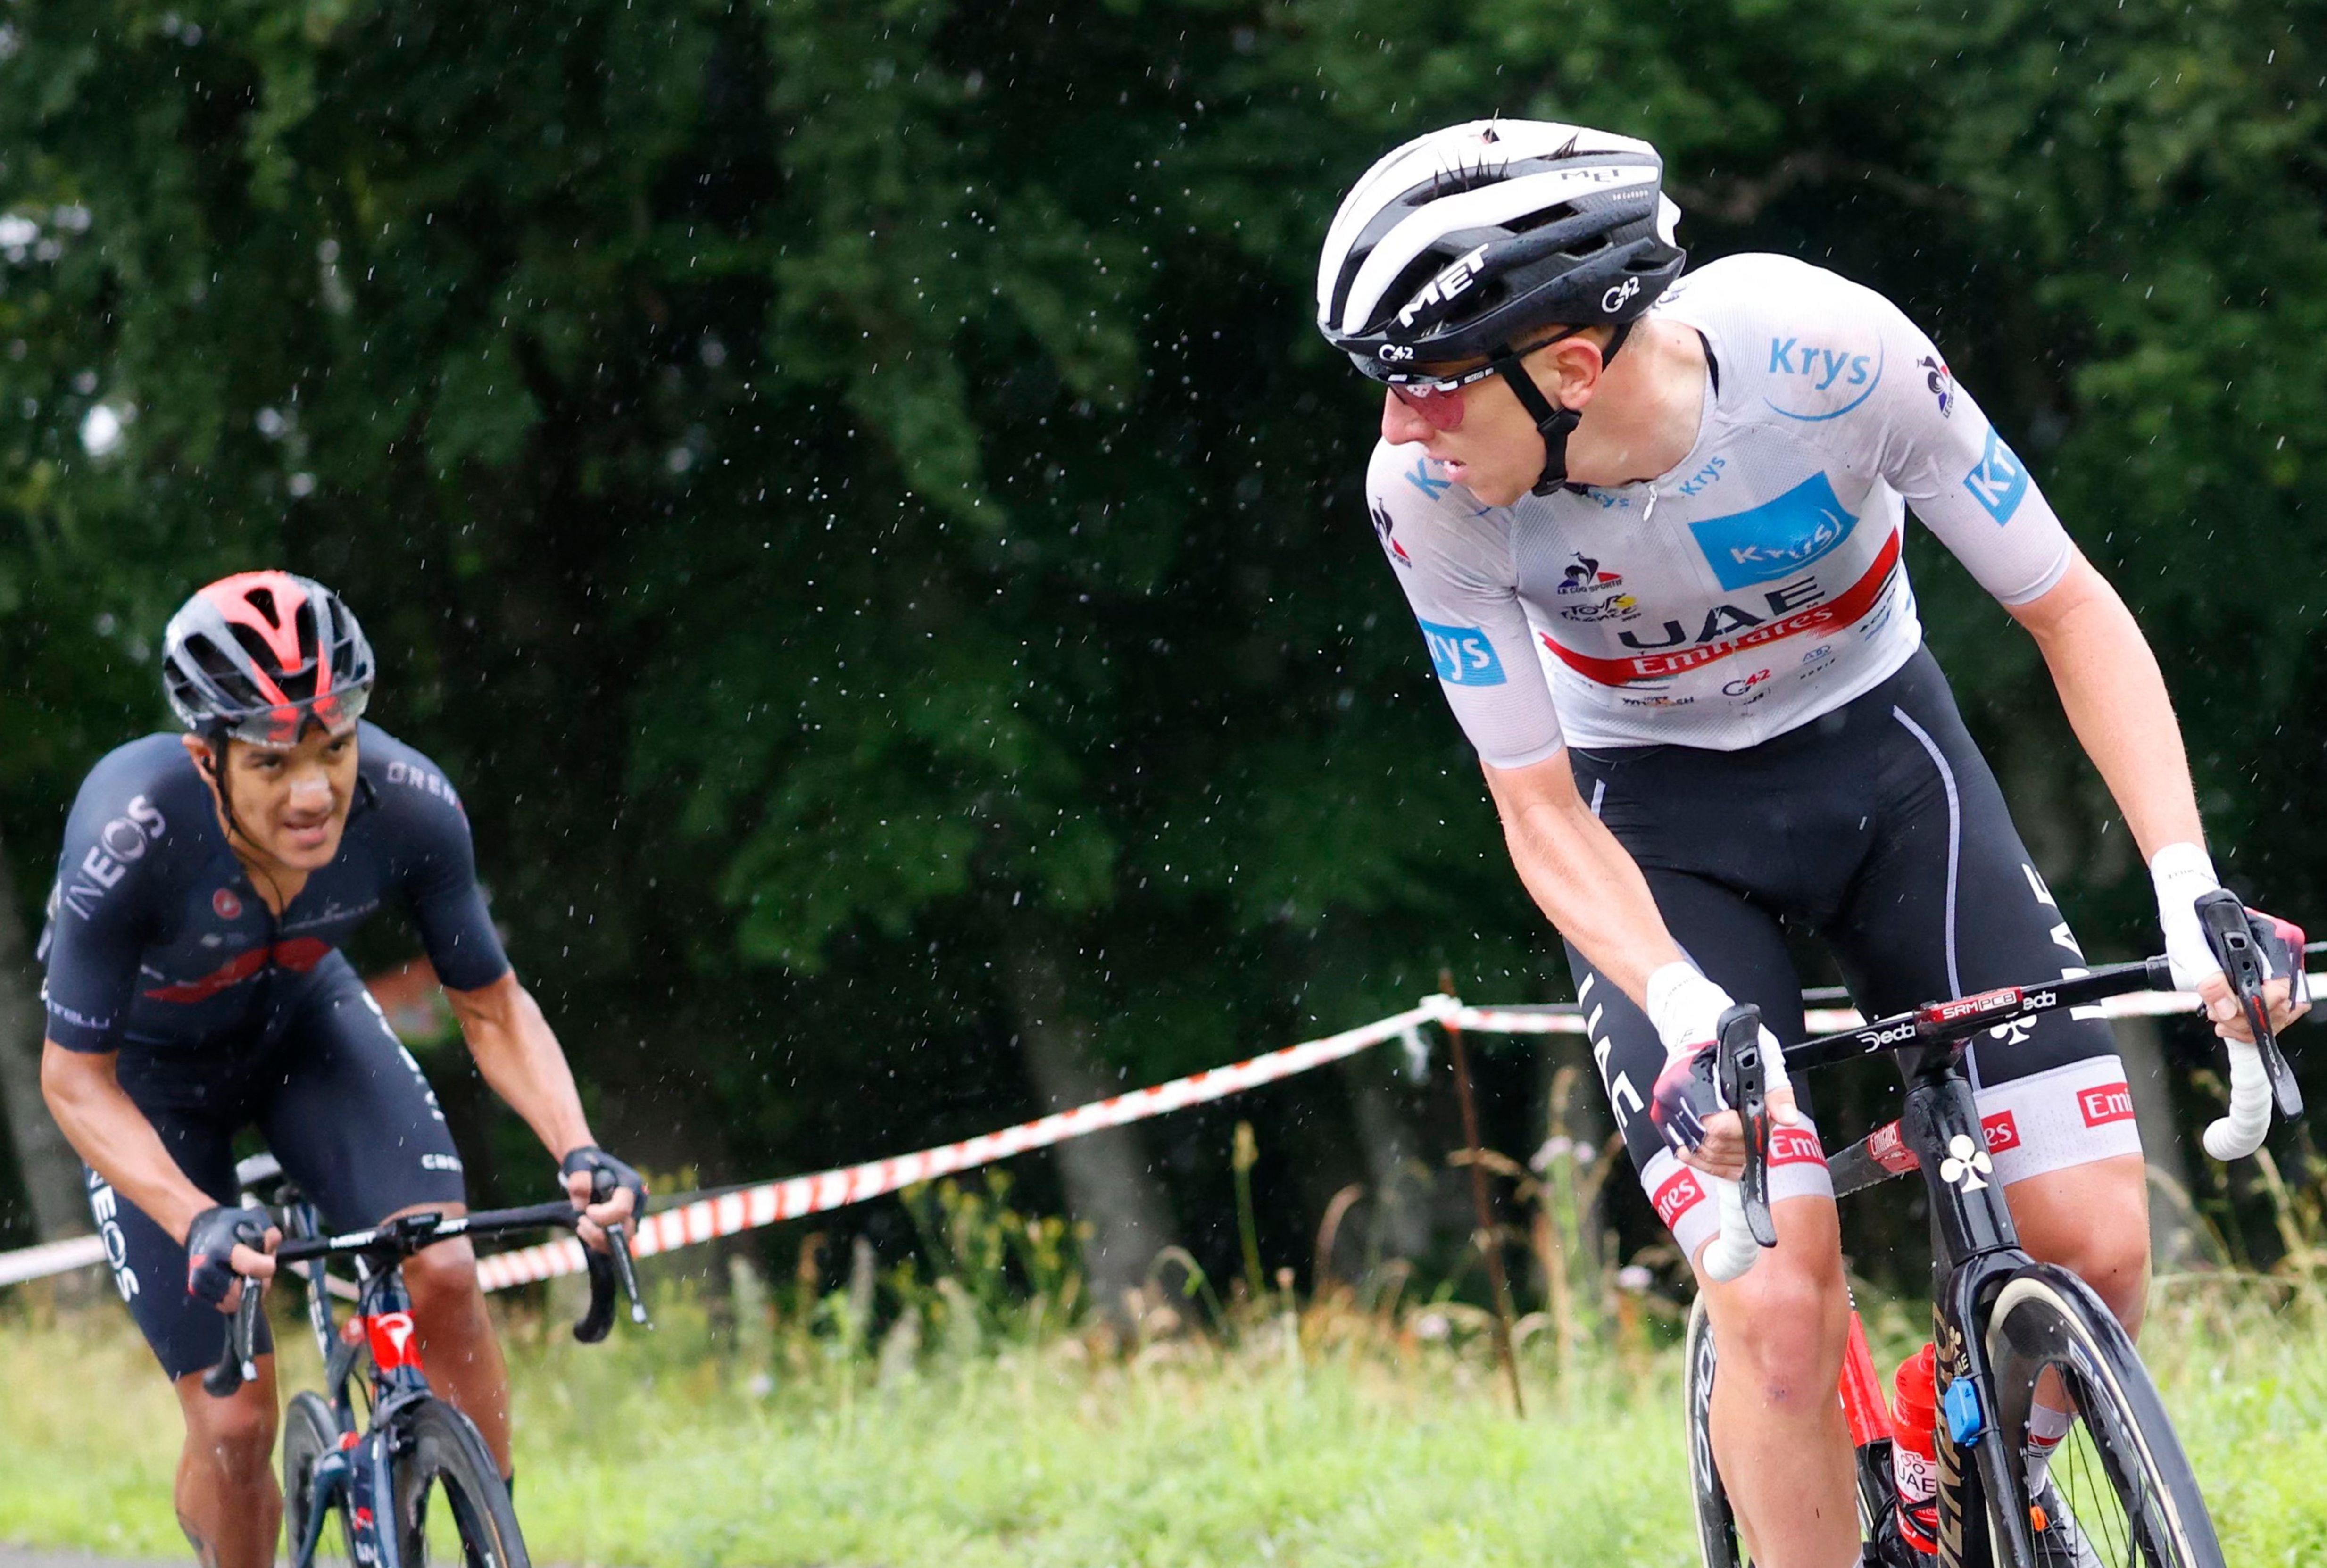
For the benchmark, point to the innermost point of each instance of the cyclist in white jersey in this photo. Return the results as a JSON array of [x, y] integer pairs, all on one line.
[[1663, 592]]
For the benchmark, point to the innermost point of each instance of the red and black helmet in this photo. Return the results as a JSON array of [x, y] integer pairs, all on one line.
[[258, 655]]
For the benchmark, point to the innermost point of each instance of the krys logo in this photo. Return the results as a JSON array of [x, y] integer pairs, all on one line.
[[1806, 380], [1463, 654], [1999, 481], [1781, 536]]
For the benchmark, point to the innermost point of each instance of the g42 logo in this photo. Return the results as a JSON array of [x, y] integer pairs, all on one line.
[[1614, 299]]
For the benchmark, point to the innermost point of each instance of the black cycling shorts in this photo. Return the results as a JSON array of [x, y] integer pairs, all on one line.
[[340, 1102], [1879, 829]]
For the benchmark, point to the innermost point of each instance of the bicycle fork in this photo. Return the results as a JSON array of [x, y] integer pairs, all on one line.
[[1976, 1251], [356, 1476]]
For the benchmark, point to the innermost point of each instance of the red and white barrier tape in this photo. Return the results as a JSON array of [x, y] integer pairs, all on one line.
[[708, 1219], [51, 1258], [771, 1201]]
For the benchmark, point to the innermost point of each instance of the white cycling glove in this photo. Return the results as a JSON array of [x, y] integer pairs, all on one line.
[[2183, 873], [1686, 1008]]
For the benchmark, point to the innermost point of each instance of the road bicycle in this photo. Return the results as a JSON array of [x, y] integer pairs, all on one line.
[[381, 1479], [2000, 1319]]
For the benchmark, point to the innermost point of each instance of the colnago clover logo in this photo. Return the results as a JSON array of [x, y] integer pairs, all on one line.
[[1965, 1165], [1999, 481], [1463, 654]]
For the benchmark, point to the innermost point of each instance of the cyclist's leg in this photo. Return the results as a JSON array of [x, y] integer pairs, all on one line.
[[356, 1126], [1951, 903], [1778, 1430], [225, 1494]]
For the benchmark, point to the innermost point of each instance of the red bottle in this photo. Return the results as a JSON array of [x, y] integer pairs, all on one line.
[[1914, 1452]]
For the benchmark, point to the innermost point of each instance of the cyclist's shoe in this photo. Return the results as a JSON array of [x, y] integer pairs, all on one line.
[[2058, 1542]]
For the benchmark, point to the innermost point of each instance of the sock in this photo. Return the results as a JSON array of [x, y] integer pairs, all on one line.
[[2046, 1428]]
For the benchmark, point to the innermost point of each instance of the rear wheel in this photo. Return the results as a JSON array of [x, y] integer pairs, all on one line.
[[2120, 1470], [451, 1503], [310, 1430]]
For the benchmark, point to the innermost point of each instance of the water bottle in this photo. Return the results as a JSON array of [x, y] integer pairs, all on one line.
[[1914, 1451]]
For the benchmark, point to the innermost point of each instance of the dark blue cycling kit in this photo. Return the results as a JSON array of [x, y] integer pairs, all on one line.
[[157, 941], [226, 1016]]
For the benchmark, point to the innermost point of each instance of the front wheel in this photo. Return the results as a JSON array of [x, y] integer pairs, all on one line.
[[310, 1431], [2120, 1471], [451, 1503], [1716, 1523]]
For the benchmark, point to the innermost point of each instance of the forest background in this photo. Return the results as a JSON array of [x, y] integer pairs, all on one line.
[[850, 492]]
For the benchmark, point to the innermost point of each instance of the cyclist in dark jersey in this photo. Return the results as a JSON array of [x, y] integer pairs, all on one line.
[[195, 987]]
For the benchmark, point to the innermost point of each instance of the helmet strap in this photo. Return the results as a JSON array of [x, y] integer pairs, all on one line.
[[216, 736], [1551, 422]]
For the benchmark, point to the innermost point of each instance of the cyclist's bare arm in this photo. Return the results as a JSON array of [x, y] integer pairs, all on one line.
[[107, 1129], [519, 1056], [2115, 699], [1590, 888], [1583, 881]]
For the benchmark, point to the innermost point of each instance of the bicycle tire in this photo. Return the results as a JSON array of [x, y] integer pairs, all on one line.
[[439, 1452], [2045, 1317], [310, 1430], [1716, 1522]]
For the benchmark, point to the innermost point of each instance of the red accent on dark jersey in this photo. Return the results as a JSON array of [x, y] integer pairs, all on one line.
[[298, 955]]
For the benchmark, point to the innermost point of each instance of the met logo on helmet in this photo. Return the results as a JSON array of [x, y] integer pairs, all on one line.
[[1439, 292], [1463, 654]]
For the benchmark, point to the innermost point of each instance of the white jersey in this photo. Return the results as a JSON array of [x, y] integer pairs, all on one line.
[[1756, 586]]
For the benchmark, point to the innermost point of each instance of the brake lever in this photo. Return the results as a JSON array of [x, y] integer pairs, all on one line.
[[238, 1364], [618, 1243], [1742, 1072], [2224, 920]]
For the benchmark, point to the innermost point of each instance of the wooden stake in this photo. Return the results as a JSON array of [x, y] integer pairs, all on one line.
[[1497, 1286]]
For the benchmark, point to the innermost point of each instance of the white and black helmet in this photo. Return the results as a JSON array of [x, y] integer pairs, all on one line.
[[1462, 242], [1471, 241]]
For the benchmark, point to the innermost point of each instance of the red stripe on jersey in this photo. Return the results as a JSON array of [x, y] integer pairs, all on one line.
[[1839, 612]]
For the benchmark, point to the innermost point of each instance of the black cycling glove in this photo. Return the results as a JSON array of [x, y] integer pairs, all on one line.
[[598, 1162], [210, 1241]]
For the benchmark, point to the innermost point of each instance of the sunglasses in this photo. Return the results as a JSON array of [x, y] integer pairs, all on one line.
[[1436, 397], [278, 728]]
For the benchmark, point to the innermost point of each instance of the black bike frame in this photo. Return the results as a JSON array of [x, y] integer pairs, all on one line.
[[1975, 1248], [360, 1474]]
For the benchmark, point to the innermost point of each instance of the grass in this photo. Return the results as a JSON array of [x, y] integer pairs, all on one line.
[[1373, 1441]]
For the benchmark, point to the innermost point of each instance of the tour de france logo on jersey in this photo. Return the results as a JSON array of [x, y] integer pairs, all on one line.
[[1781, 536]]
